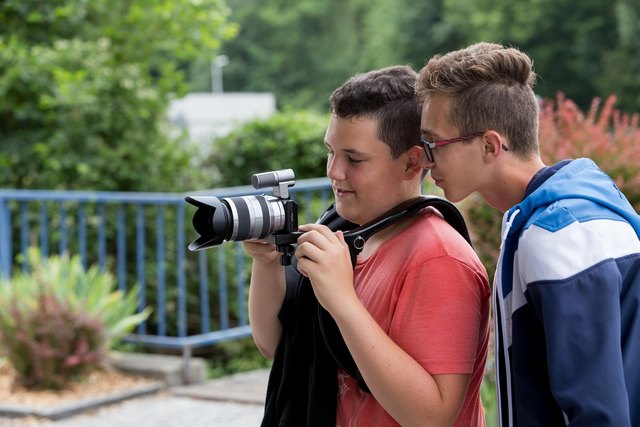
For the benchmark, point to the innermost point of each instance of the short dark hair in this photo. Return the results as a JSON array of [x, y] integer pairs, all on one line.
[[491, 87], [387, 95]]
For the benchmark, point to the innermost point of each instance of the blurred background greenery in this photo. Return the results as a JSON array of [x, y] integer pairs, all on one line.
[[85, 85]]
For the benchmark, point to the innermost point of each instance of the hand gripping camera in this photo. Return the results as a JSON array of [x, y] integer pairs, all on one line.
[[272, 218]]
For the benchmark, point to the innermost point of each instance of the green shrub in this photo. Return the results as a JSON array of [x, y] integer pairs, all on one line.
[[484, 224], [287, 140], [84, 89], [57, 320], [235, 356]]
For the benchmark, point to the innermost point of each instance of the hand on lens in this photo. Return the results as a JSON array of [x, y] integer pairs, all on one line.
[[261, 250]]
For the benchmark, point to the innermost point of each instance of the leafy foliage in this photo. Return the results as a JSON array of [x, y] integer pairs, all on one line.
[[484, 224], [303, 50], [567, 40], [605, 134], [58, 319], [51, 344], [291, 139], [235, 356], [621, 62], [84, 86]]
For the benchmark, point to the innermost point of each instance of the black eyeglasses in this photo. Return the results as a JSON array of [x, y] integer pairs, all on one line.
[[430, 145]]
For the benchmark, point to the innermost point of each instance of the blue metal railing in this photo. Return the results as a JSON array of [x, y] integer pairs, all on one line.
[[197, 298]]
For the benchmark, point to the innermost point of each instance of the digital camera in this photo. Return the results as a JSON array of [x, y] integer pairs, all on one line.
[[271, 218]]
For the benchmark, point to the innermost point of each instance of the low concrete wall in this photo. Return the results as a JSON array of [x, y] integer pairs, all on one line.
[[172, 370]]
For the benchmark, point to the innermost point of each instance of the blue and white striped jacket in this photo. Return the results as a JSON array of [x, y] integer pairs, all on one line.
[[567, 304]]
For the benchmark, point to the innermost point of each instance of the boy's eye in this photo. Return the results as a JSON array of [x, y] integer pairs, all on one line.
[[427, 139]]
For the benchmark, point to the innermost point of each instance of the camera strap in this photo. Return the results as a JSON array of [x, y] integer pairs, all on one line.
[[356, 238]]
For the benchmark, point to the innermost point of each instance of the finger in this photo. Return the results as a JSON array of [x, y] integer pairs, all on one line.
[[340, 236], [258, 247], [321, 229], [309, 251], [300, 267], [321, 236]]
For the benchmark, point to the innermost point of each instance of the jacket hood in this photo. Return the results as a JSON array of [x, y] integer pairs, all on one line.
[[579, 179]]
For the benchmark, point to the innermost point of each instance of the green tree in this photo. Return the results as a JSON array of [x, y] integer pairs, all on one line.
[[567, 40], [84, 87], [408, 32], [302, 50], [621, 64]]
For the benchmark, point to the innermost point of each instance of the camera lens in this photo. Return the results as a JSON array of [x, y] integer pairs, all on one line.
[[254, 217], [235, 219]]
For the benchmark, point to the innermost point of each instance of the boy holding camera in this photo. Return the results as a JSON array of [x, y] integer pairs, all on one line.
[[413, 312]]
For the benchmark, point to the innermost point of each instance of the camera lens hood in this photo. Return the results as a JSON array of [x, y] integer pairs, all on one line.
[[211, 221]]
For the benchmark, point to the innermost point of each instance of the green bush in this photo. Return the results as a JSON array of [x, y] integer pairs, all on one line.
[[58, 320], [287, 140], [231, 357], [84, 88]]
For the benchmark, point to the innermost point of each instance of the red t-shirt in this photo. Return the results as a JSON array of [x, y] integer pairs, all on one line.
[[429, 292]]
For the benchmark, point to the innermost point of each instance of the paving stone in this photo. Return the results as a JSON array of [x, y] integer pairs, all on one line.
[[246, 387]]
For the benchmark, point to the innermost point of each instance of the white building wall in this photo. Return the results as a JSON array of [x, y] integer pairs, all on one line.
[[209, 115]]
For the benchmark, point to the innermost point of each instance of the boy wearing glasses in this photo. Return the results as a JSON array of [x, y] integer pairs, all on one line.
[[567, 286], [413, 313]]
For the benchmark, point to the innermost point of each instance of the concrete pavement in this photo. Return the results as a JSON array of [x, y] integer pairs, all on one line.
[[233, 401]]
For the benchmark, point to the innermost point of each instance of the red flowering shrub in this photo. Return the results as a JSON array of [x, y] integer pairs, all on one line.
[[609, 137], [51, 344]]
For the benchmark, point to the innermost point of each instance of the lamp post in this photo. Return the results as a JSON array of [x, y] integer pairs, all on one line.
[[216, 72]]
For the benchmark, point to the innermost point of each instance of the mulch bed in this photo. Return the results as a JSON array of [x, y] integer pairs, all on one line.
[[97, 387]]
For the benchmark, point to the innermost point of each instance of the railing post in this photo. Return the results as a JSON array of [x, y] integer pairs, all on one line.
[[181, 265], [5, 239]]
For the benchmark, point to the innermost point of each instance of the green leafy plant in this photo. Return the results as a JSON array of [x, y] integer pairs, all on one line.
[[58, 319], [290, 139], [84, 88], [231, 357]]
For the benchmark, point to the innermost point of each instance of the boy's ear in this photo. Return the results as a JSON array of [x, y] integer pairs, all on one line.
[[492, 142], [414, 164]]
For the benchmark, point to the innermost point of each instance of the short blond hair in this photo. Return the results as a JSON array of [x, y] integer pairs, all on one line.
[[491, 87]]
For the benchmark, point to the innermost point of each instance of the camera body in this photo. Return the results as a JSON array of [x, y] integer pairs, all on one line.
[[271, 218]]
